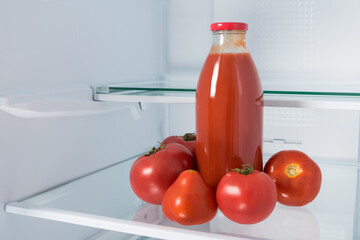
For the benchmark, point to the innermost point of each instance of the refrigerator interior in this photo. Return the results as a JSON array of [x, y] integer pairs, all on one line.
[[53, 52]]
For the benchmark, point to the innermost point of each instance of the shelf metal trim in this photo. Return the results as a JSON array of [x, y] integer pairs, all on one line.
[[343, 103]]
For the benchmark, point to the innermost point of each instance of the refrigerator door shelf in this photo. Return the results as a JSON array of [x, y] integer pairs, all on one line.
[[184, 92], [62, 103], [105, 200]]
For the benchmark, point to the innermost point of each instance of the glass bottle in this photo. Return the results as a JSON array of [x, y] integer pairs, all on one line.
[[229, 106]]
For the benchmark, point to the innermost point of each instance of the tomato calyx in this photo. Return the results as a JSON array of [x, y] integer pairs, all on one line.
[[245, 170], [155, 150], [189, 137]]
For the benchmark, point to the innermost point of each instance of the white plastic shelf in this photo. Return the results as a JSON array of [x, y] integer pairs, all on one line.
[[184, 92], [61, 103], [104, 200]]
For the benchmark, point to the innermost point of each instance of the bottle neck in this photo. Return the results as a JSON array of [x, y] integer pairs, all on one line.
[[229, 41]]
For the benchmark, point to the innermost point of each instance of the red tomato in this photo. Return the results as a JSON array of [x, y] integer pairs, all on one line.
[[297, 177], [153, 173], [188, 140], [189, 200], [246, 199]]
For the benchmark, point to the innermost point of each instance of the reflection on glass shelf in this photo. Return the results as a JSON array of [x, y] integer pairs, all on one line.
[[110, 235], [184, 92], [104, 200]]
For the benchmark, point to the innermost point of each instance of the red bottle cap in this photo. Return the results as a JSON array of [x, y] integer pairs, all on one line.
[[229, 26]]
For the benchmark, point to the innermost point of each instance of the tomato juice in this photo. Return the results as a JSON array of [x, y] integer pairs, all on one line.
[[229, 115]]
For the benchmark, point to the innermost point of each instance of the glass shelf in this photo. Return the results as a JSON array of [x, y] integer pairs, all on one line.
[[104, 200], [184, 92]]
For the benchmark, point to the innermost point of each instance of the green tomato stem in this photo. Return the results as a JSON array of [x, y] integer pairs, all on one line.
[[189, 137], [155, 150], [245, 170]]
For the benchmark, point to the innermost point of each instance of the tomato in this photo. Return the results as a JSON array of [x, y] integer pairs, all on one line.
[[189, 200], [153, 173], [297, 177], [246, 196], [188, 140]]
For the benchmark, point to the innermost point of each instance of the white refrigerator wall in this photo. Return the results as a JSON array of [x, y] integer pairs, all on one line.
[[296, 45], [51, 52], [59, 44], [300, 45]]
